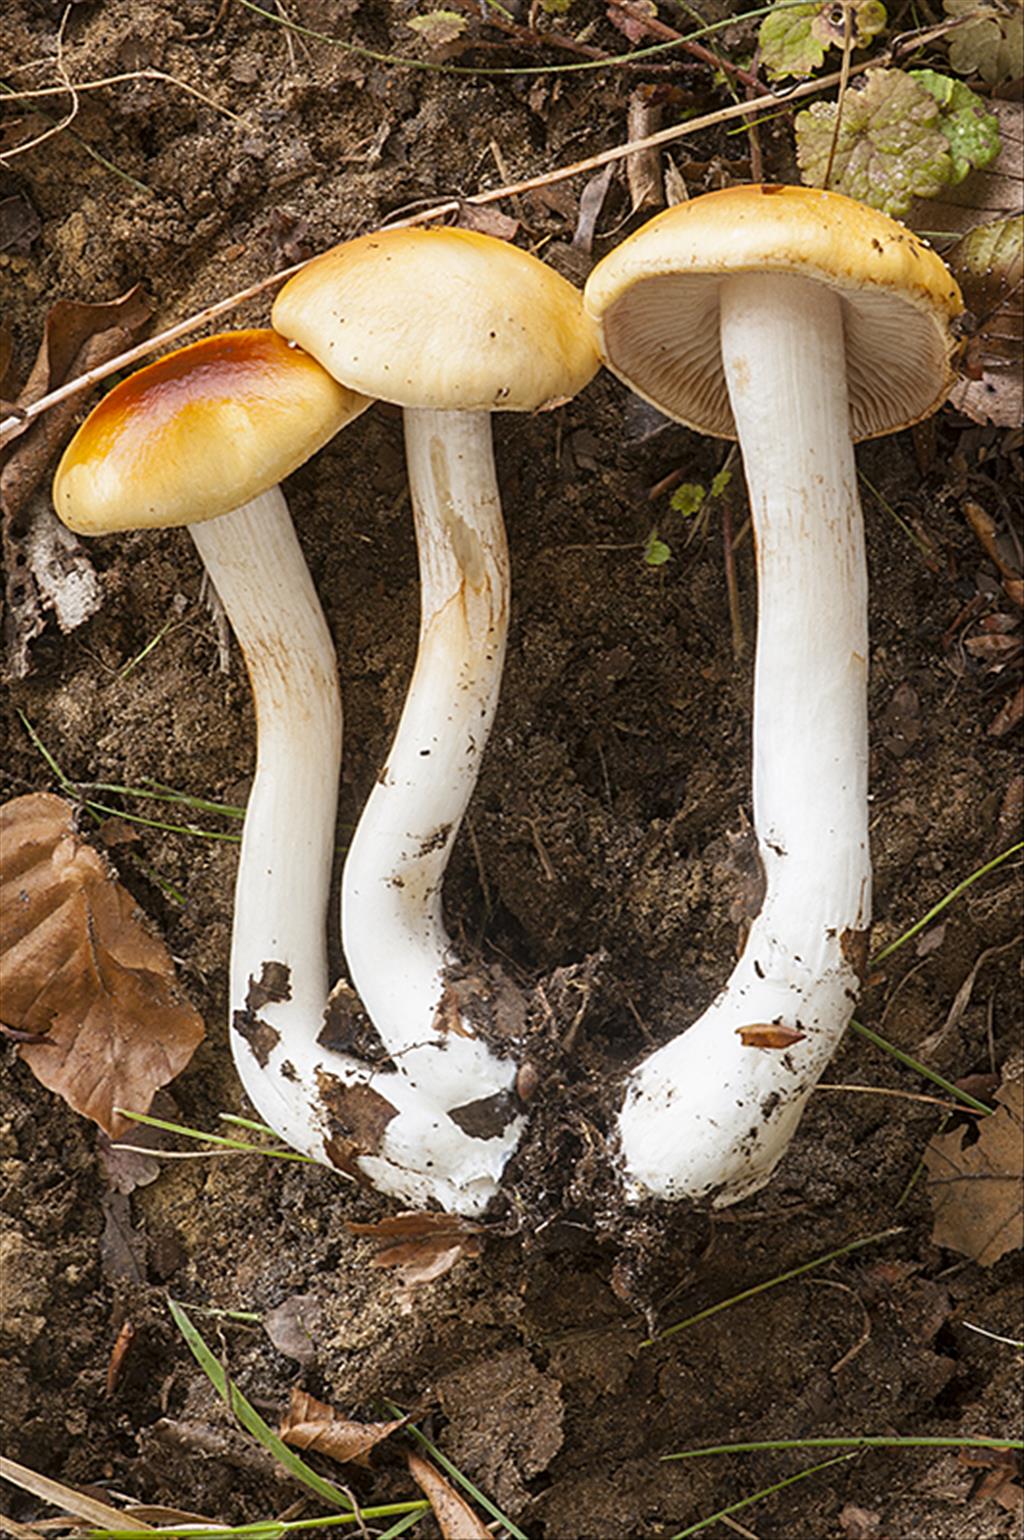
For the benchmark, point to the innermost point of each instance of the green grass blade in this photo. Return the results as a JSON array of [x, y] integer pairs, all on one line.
[[169, 625], [457, 1476], [250, 1418], [965, 1097], [954, 893], [272, 1529], [403, 1524], [168, 828], [240, 1122], [155, 792], [40, 746], [911, 1442], [771, 1283], [222, 1140], [755, 1497]]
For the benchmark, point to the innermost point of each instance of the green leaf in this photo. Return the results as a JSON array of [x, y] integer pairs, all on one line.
[[656, 552], [555, 7], [890, 146], [973, 133], [992, 45], [793, 39], [687, 498], [438, 28], [787, 43], [720, 482]]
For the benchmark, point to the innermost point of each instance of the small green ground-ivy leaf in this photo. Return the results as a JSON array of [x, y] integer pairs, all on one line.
[[793, 39], [687, 498], [890, 147], [992, 45], [972, 132], [656, 551], [787, 42]]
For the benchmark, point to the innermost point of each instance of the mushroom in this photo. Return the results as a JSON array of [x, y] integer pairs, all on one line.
[[799, 322], [450, 325], [202, 437]]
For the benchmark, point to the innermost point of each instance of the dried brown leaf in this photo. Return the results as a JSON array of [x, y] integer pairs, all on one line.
[[423, 1247], [292, 1327], [19, 225], [488, 221], [455, 1518], [989, 266], [311, 1424], [1009, 716], [769, 1034], [976, 1189], [81, 967], [591, 203]]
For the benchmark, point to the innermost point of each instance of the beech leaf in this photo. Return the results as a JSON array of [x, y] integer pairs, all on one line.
[[991, 45], [421, 1247], [311, 1424], [989, 266], [975, 1189], [82, 968], [890, 147], [455, 1518]]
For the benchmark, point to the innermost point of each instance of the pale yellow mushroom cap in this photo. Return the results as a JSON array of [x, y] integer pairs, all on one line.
[[654, 300], [199, 433], [444, 319]]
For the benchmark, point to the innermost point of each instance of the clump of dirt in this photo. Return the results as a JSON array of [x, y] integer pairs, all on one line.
[[604, 865]]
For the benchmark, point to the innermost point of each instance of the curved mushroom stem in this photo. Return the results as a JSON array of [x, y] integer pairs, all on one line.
[[398, 951], [708, 1117], [279, 975]]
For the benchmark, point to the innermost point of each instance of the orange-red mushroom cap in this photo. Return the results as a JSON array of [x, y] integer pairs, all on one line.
[[654, 300], [198, 433]]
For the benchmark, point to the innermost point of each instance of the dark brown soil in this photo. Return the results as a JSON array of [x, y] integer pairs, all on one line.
[[606, 836]]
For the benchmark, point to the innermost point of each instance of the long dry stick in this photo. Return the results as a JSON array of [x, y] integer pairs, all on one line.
[[13, 425]]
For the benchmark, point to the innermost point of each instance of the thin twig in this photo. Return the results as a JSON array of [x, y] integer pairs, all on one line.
[[655, 28], [66, 87], [78, 86], [844, 81]]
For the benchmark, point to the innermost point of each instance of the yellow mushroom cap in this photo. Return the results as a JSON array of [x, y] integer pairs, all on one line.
[[654, 300], [445, 319], [198, 433]]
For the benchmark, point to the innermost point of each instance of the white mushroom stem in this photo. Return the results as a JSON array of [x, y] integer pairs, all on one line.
[[332, 1106], [706, 1117], [284, 873], [396, 946]]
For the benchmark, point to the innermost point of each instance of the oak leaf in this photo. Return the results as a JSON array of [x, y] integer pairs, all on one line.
[[82, 971]]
